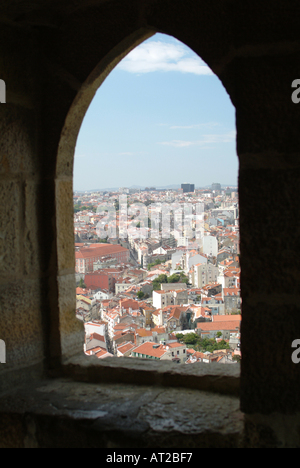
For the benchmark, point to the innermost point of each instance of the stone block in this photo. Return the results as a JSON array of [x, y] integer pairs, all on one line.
[[21, 323], [10, 229], [269, 378], [71, 329], [17, 140], [269, 231], [260, 88], [18, 62], [65, 226], [31, 229]]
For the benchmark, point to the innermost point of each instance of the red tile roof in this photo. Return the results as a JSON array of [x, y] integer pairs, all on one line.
[[214, 326], [96, 250], [155, 350], [226, 318]]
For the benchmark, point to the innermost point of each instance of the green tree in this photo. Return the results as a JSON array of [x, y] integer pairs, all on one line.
[[179, 336], [223, 345], [158, 281], [236, 358], [162, 278], [157, 262], [82, 284], [174, 278], [191, 339], [140, 295], [183, 279], [210, 344]]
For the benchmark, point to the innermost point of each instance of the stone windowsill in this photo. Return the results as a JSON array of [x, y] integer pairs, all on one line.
[[218, 378]]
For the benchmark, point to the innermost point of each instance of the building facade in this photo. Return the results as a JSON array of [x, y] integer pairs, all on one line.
[[188, 188], [88, 256]]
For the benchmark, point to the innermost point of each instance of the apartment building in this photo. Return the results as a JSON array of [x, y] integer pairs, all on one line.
[[227, 327], [87, 256], [163, 299], [202, 274]]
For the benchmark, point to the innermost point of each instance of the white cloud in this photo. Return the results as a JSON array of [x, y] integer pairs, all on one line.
[[178, 143], [154, 56], [130, 153], [194, 126], [225, 138], [205, 139]]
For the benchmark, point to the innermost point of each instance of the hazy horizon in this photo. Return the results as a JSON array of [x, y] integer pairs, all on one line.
[[157, 187], [161, 115]]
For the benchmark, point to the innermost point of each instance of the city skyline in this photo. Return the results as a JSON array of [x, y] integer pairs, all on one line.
[[162, 188], [173, 119]]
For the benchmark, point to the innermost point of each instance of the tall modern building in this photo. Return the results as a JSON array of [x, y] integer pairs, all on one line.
[[188, 188], [216, 187]]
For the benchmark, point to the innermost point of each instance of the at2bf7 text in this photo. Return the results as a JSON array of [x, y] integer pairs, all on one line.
[[162, 457], [155, 457]]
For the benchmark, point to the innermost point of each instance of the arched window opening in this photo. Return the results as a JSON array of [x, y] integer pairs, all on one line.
[[156, 216]]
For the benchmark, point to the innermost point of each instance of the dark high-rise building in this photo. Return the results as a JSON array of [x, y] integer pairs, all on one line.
[[216, 187], [188, 188]]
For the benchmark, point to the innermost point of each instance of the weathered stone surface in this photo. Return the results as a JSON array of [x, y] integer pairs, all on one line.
[[273, 431], [65, 230], [17, 141], [31, 229], [19, 69], [261, 88], [10, 229], [50, 55], [220, 378], [65, 414], [262, 195], [71, 329], [21, 323]]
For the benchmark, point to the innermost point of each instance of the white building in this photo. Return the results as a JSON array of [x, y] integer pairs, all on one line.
[[163, 299], [94, 327], [103, 295], [202, 274], [186, 260], [210, 246]]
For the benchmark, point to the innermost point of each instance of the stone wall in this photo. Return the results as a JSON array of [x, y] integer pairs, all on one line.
[[53, 58]]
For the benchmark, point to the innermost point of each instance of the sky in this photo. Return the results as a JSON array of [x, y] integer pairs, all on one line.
[[160, 118]]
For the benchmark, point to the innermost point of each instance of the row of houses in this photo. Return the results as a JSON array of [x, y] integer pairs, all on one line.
[[124, 330]]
